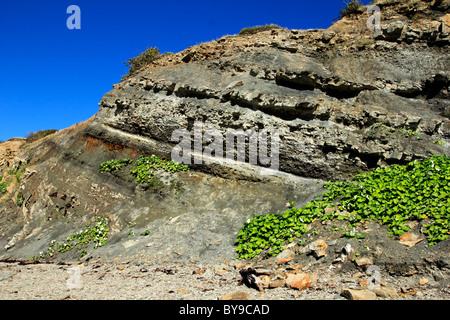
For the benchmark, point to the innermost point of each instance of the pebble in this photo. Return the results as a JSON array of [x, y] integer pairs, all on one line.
[[299, 281], [362, 261], [358, 294]]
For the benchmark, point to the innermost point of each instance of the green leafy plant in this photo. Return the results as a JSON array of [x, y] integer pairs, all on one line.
[[114, 165], [411, 133], [380, 131], [96, 234], [352, 234], [79, 153], [408, 133], [19, 199], [83, 253], [146, 166], [393, 196], [145, 169], [338, 229], [3, 187]]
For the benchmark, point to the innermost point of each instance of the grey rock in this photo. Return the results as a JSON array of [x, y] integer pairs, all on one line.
[[394, 30], [447, 112]]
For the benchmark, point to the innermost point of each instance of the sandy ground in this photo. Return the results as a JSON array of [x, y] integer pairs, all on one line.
[[135, 281]]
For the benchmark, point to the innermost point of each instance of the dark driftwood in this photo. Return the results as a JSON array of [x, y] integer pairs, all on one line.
[[250, 279]]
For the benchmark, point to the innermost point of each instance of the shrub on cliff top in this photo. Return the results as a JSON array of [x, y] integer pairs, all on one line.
[[351, 8], [142, 60], [256, 29], [34, 136]]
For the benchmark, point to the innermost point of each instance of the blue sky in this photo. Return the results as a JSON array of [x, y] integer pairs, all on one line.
[[53, 77]]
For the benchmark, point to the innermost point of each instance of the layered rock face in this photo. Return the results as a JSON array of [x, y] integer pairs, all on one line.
[[343, 101]]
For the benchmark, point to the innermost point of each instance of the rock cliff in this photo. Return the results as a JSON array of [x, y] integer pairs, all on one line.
[[343, 101]]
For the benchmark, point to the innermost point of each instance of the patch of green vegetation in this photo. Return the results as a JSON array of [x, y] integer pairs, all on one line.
[[257, 29], [352, 234], [145, 168], [384, 130], [393, 196], [408, 133], [34, 136], [79, 153], [379, 127], [19, 199], [96, 234], [142, 60], [114, 165], [18, 171], [3, 187], [19, 174]]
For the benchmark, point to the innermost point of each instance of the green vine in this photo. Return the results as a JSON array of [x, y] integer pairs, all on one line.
[[393, 196], [114, 165], [96, 235], [146, 166]]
